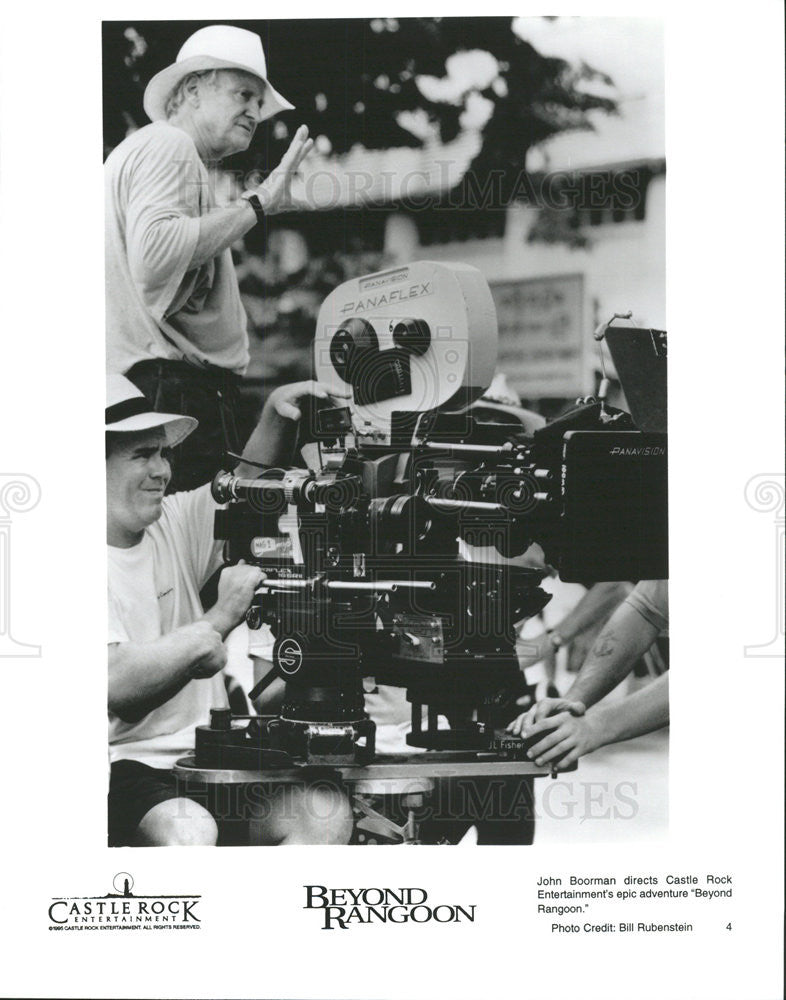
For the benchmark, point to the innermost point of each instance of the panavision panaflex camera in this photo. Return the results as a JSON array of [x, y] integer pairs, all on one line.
[[371, 557]]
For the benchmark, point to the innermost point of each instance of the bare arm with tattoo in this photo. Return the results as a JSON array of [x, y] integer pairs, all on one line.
[[620, 644], [599, 601], [626, 636]]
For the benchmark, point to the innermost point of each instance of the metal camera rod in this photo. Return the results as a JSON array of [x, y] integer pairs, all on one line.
[[380, 586], [490, 451], [464, 506]]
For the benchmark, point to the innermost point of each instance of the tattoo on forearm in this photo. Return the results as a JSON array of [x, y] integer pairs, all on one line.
[[606, 644]]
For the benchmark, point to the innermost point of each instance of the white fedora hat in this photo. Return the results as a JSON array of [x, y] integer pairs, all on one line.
[[216, 47], [128, 410]]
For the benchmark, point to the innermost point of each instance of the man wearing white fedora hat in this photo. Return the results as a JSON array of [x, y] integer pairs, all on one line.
[[166, 653], [175, 322]]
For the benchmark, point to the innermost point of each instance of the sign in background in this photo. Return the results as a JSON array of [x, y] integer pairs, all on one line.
[[541, 335]]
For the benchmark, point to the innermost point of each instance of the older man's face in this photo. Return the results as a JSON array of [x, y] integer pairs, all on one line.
[[229, 110], [137, 474]]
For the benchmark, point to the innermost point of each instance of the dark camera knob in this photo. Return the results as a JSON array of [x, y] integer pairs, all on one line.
[[353, 338], [412, 335], [221, 718], [254, 617], [341, 349]]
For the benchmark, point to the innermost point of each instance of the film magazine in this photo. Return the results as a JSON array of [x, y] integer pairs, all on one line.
[[424, 272]]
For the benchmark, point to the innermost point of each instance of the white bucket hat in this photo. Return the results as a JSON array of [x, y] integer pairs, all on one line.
[[127, 410], [217, 47]]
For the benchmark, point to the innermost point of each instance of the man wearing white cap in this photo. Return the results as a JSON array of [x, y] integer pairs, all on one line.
[[165, 653], [175, 322]]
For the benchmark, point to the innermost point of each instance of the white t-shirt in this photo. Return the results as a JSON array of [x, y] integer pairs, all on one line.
[[651, 599], [157, 306], [154, 588]]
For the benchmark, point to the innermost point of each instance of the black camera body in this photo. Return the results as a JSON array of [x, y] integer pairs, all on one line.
[[406, 553]]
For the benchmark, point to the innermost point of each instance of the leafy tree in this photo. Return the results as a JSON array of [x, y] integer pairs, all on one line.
[[352, 79]]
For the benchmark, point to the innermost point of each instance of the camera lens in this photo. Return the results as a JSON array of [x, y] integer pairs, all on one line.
[[404, 520]]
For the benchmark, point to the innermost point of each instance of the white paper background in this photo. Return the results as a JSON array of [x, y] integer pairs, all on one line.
[[725, 293]]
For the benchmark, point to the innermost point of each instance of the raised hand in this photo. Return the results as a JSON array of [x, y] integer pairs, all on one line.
[[275, 192]]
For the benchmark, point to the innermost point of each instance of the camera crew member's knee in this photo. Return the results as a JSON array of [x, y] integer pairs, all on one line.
[[298, 814], [327, 814], [178, 822]]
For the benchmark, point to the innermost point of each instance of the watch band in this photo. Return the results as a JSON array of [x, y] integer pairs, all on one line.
[[255, 203]]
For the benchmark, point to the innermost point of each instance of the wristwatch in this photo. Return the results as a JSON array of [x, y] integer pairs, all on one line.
[[556, 639], [255, 203]]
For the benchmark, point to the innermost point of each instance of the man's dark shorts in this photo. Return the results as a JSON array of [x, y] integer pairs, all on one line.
[[135, 788]]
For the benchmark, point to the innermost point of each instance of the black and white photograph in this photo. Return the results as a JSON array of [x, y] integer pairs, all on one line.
[[440, 501], [386, 428]]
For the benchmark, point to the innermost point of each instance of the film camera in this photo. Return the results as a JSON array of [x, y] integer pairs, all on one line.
[[400, 554]]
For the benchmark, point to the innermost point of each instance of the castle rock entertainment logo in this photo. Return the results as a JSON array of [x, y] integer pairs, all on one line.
[[124, 910], [343, 908]]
